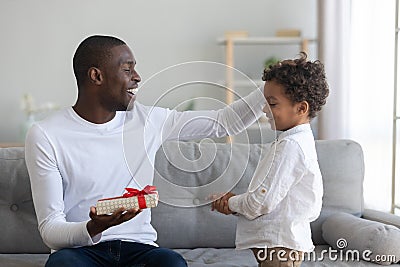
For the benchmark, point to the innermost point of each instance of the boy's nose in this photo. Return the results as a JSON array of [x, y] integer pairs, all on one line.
[[266, 109]]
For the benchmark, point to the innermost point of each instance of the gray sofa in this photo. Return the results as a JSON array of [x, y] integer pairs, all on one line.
[[183, 221]]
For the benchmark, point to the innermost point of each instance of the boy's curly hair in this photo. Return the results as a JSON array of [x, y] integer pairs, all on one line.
[[303, 81]]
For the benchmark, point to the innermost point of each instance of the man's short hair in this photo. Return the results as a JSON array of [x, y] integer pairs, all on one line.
[[94, 51]]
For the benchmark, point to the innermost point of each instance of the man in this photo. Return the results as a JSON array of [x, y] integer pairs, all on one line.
[[76, 157]]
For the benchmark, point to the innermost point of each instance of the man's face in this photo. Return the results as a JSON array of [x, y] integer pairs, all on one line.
[[280, 110], [120, 78]]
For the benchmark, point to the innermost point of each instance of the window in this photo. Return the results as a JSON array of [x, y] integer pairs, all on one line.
[[371, 95]]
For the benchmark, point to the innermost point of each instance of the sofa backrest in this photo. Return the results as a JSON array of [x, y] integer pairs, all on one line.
[[18, 224], [342, 167], [183, 220], [184, 212]]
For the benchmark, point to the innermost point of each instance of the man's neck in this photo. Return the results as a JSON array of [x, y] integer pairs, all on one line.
[[93, 114]]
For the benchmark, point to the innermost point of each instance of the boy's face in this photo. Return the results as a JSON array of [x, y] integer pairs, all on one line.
[[281, 112]]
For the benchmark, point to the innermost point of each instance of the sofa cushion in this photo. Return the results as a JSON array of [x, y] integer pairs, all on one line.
[[19, 232], [375, 240], [185, 209], [342, 167], [23, 260]]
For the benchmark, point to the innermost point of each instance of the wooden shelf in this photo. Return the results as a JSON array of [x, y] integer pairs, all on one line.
[[264, 40], [241, 83], [4, 145]]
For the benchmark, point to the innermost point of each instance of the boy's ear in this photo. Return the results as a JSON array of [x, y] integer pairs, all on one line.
[[303, 107], [95, 75]]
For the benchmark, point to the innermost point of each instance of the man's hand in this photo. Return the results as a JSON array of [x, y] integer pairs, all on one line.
[[221, 204], [100, 223]]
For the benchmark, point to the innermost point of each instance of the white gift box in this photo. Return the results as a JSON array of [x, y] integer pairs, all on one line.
[[142, 200]]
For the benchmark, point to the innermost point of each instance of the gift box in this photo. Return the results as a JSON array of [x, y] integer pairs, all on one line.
[[133, 198]]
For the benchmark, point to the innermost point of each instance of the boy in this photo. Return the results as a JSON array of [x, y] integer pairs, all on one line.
[[285, 194]]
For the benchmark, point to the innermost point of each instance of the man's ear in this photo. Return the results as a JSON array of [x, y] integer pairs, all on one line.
[[95, 75], [303, 107]]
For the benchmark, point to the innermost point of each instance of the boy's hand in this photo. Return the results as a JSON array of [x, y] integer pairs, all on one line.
[[100, 223], [221, 204]]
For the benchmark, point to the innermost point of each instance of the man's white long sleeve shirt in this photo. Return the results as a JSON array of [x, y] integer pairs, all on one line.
[[72, 163]]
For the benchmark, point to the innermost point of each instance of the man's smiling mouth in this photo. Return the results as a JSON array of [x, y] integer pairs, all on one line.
[[133, 91]]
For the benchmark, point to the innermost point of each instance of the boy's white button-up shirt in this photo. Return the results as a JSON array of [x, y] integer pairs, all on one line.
[[284, 196]]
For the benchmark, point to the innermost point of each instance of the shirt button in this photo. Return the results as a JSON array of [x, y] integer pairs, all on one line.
[[263, 191]]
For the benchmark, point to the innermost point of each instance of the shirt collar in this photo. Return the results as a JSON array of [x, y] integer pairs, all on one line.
[[299, 128]]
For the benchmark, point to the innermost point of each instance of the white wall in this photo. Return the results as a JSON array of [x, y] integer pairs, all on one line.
[[38, 39]]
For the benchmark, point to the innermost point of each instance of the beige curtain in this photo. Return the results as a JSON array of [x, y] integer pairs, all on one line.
[[356, 43], [333, 47]]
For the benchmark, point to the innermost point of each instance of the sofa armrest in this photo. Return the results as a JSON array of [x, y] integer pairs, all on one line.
[[382, 217]]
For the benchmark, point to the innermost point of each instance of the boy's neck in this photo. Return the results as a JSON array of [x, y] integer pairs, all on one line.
[[306, 121]]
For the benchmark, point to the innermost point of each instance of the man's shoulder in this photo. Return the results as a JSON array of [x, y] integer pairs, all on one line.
[[48, 118], [55, 119]]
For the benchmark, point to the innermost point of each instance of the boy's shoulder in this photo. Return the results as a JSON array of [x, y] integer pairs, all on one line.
[[289, 145]]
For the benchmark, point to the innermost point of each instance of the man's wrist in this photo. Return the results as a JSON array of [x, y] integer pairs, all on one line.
[[92, 229]]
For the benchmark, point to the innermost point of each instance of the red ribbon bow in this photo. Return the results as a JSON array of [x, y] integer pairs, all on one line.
[[132, 192], [149, 189]]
